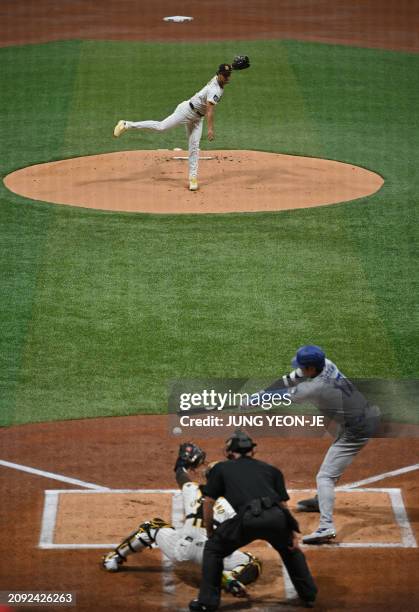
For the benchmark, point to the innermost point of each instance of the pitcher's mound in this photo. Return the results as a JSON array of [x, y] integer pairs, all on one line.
[[229, 181]]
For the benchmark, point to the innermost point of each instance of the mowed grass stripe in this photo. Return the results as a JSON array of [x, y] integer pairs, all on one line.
[[33, 104], [160, 309], [138, 300], [365, 104]]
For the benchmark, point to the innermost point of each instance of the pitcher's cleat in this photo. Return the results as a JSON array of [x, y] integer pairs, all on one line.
[[193, 184], [321, 536], [119, 129]]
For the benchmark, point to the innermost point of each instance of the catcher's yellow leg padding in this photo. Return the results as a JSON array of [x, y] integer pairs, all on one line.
[[246, 572], [143, 537]]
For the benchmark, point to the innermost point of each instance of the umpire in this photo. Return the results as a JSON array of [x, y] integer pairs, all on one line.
[[256, 490]]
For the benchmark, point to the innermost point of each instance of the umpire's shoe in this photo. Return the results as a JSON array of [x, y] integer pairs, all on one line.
[[309, 505], [321, 536], [196, 606]]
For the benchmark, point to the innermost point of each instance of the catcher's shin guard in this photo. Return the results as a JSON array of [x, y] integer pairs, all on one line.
[[248, 572], [234, 587], [143, 537], [234, 581]]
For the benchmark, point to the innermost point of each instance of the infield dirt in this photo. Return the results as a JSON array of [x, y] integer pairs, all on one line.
[[230, 181], [112, 453]]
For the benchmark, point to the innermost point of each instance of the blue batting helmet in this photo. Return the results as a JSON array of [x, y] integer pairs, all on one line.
[[309, 355]]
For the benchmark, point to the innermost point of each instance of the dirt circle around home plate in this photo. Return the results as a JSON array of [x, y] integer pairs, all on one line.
[[84, 485], [229, 182]]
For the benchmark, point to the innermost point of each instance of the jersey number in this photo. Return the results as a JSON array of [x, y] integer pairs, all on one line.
[[343, 385]]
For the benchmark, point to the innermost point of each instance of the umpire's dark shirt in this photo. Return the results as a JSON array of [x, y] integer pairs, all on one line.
[[241, 480]]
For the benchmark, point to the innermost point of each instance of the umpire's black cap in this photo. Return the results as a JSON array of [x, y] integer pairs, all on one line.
[[240, 442]]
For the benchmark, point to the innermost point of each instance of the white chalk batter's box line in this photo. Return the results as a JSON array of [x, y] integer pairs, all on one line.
[[49, 517]]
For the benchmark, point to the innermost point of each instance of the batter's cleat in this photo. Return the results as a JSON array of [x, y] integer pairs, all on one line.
[[196, 606], [193, 184], [309, 505], [235, 588], [120, 128], [112, 561], [323, 535]]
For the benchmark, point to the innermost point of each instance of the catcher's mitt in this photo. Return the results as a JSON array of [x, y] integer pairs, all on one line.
[[190, 456], [240, 62]]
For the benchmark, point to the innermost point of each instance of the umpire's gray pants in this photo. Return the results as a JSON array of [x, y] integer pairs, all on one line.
[[337, 458]]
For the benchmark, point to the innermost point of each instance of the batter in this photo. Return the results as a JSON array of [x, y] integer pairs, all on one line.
[[318, 381]]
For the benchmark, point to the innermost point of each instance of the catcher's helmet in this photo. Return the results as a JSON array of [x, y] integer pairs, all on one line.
[[309, 355], [190, 456], [239, 442]]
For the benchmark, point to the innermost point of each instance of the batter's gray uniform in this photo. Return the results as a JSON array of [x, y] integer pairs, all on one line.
[[337, 399]]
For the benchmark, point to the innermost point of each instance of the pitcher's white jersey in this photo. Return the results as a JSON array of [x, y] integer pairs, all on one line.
[[212, 92]]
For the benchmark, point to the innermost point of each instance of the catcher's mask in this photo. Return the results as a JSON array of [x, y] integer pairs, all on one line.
[[191, 454], [240, 443]]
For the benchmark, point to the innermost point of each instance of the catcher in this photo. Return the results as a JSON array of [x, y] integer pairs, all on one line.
[[187, 543], [191, 113]]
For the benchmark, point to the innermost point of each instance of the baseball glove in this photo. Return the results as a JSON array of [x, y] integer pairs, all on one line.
[[240, 62], [190, 456]]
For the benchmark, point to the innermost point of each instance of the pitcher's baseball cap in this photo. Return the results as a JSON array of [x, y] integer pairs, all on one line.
[[309, 355], [224, 69]]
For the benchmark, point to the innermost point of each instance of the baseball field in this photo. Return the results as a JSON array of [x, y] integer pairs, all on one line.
[[102, 306]]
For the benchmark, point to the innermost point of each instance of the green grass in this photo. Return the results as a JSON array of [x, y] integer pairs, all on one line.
[[99, 311]]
